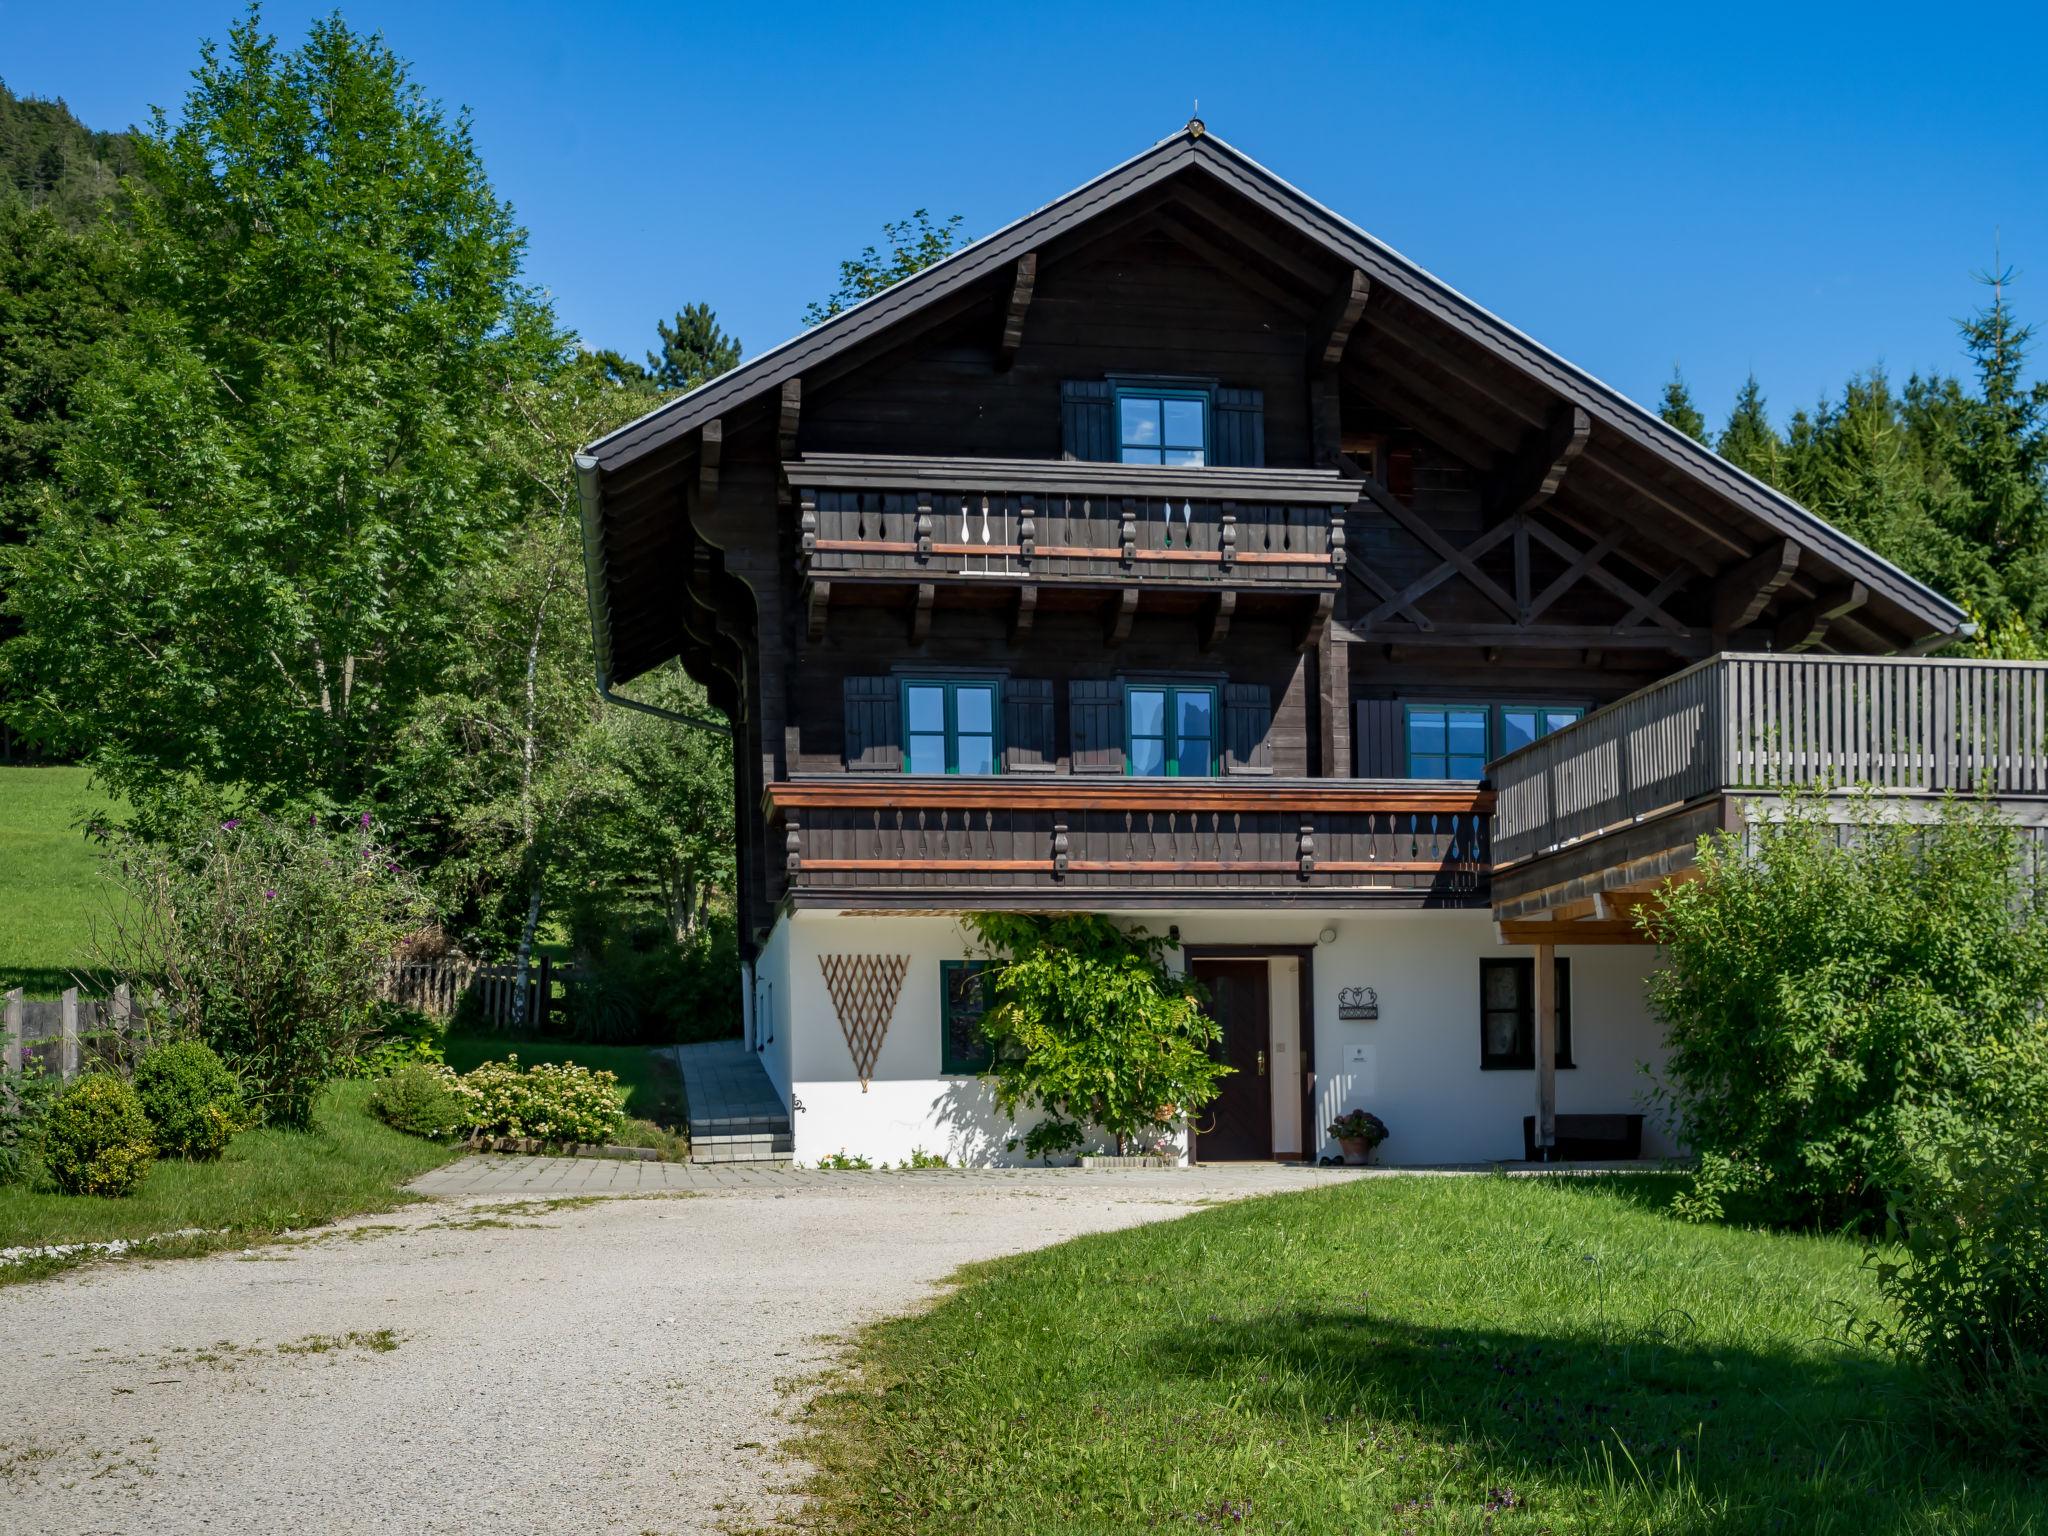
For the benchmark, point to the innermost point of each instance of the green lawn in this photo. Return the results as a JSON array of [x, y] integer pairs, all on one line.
[[349, 1163], [1427, 1355], [50, 884], [650, 1093]]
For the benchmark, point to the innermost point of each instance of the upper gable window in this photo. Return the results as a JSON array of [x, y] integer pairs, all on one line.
[[1162, 426]]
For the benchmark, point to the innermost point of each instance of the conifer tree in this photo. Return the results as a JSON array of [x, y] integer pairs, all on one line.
[[1749, 441], [1677, 408], [693, 349]]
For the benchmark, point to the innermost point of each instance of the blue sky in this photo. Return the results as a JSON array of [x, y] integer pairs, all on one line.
[[1799, 189]]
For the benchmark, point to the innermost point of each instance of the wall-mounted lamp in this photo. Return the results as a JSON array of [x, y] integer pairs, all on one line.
[[1327, 936], [1173, 935]]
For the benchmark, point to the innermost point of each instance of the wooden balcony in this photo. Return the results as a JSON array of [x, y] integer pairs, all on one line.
[[1617, 802], [904, 841], [1123, 530]]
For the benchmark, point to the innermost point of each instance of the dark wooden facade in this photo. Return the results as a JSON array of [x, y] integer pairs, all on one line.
[[1404, 501]]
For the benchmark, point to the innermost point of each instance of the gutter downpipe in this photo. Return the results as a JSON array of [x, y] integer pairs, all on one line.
[[590, 496]]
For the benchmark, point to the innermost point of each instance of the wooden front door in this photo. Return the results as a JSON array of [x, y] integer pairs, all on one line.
[[1239, 1124]]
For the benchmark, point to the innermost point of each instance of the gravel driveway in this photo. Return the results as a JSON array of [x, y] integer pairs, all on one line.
[[478, 1365]]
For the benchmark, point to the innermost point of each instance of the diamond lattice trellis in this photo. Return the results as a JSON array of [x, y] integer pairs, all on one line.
[[864, 989]]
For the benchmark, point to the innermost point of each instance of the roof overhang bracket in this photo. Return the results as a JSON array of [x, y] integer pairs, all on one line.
[[1743, 592], [789, 412], [1538, 468], [1807, 625], [1332, 330], [1023, 278]]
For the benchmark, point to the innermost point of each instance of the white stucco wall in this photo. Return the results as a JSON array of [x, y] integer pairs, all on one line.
[[1417, 1066]]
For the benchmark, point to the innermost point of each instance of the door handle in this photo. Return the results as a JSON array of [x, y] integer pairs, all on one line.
[[1262, 1063]]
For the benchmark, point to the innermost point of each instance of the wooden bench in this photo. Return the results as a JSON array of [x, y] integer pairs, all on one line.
[[1588, 1138]]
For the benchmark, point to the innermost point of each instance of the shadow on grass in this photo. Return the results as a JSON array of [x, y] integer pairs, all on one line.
[[1822, 1438], [46, 981]]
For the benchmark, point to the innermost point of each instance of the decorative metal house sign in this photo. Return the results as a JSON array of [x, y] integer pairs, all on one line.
[[1357, 1003]]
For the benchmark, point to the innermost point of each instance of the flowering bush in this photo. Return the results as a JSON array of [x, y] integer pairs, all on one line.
[[269, 938], [554, 1101]]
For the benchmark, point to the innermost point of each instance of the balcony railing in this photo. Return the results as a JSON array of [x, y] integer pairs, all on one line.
[[1734, 723], [906, 836], [1021, 520]]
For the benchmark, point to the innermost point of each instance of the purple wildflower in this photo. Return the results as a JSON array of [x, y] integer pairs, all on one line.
[[230, 824], [366, 821], [270, 895]]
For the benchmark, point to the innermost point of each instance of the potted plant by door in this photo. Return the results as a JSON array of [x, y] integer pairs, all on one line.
[[1358, 1132]]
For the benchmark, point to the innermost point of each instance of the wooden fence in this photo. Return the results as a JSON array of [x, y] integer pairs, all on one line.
[[67, 1035], [1902, 726], [71, 1034], [438, 987]]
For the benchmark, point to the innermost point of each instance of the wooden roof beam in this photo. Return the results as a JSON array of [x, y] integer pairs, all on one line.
[[1334, 325], [1742, 592], [1304, 271], [1023, 279], [1463, 562], [1232, 265], [1807, 625], [1600, 576], [1534, 474]]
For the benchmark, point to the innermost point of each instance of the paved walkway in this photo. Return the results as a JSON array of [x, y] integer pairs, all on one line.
[[498, 1362]]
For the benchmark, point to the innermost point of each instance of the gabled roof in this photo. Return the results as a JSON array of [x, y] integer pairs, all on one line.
[[1195, 152]]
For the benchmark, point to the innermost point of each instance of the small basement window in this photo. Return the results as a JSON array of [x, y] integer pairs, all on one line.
[[1507, 1015], [1170, 732], [950, 727], [1162, 426]]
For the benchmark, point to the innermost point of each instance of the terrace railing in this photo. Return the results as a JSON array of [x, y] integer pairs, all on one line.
[[1024, 520], [912, 836], [1756, 723]]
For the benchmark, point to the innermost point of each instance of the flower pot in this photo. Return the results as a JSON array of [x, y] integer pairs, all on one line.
[[1357, 1151]]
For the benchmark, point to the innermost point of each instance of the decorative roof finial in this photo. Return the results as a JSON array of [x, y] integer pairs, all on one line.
[[1196, 127]]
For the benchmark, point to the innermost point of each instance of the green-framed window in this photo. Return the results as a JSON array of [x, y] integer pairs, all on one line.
[[963, 998], [1517, 725], [1456, 741], [1162, 426], [952, 725], [1447, 741], [1169, 731]]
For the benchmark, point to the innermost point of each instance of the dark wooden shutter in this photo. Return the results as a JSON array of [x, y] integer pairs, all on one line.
[[1247, 727], [1027, 725], [1086, 431], [1095, 714], [874, 740], [1379, 743], [1239, 435]]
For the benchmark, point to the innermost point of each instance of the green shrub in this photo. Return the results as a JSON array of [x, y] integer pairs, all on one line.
[[396, 1037], [1968, 1279], [194, 1103], [844, 1161], [644, 987], [555, 1101], [1832, 997], [96, 1140], [271, 936], [421, 1099], [1091, 1028], [25, 1100]]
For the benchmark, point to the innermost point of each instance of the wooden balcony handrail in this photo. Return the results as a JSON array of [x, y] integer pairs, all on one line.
[[908, 472], [1760, 723], [1080, 792]]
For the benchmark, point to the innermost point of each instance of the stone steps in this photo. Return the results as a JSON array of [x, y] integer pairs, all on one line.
[[735, 1114]]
